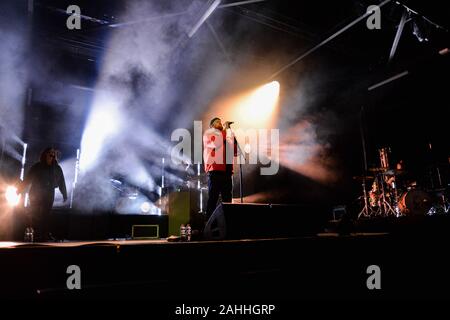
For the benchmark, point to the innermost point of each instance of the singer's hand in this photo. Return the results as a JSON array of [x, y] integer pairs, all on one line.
[[227, 124]]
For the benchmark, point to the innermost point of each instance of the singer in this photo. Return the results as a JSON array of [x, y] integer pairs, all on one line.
[[219, 148]]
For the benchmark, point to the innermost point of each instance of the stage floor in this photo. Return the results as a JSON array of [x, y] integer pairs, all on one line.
[[326, 266], [129, 242], [11, 244]]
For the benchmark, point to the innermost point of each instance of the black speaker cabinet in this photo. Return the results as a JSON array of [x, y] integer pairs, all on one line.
[[138, 226], [259, 221]]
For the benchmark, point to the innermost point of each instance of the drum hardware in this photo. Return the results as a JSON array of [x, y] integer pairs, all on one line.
[[434, 177], [441, 204], [412, 185], [366, 211], [395, 192], [415, 202], [378, 194], [361, 178], [379, 200], [383, 198], [388, 209], [384, 158], [394, 172], [386, 179], [445, 204]]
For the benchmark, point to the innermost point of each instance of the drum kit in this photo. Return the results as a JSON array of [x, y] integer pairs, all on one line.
[[392, 194]]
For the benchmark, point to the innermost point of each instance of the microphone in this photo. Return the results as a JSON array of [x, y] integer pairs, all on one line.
[[228, 124]]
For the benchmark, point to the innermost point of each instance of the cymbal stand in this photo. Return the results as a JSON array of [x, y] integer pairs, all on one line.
[[396, 208], [386, 205], [445, 203], [393, 185], [365, 212]]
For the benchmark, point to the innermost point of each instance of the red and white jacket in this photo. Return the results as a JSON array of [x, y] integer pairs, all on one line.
[[219, 149]]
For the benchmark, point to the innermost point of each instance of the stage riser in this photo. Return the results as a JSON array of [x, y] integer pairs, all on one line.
[[75, 225], [334, 268]]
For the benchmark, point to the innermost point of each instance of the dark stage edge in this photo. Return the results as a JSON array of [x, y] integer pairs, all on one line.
[[326, 266]]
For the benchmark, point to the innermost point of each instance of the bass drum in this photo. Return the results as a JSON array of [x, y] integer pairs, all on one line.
[[415, 202]]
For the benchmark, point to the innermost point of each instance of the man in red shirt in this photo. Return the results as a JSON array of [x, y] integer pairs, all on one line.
[[219, 148]]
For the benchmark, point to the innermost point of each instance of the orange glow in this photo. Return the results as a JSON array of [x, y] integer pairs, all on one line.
[[301, 152], [255, 109], [259, 106]]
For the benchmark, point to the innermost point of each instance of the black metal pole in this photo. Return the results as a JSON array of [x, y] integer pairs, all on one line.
[[240, 168], [363, 140], [365, 210], [240, 182]]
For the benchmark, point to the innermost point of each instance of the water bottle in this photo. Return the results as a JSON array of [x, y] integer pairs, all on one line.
[[183, 232], [188, 232], [29, 234], [26, 237]]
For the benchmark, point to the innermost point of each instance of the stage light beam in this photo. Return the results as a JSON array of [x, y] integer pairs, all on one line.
[[253, 109], [104, 121], [258, 108], [205, 16]]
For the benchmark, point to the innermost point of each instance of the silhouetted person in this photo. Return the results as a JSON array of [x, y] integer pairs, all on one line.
[[217, 140], [44, 176]]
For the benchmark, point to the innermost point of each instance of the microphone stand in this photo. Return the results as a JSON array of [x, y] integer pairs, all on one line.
[[240, 165]]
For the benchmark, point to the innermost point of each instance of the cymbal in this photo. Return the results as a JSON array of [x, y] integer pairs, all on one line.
[[360, 178], [392, 172]]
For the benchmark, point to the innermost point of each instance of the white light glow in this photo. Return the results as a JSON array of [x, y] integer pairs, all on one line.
[[261, 103], [12, 197], [103, 122]]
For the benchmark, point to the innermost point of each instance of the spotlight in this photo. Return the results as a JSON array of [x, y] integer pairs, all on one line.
[[11, 196], [259, 107], [145, 207]]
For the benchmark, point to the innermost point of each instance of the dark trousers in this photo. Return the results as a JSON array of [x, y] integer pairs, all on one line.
[[219, 183], [41, 207]]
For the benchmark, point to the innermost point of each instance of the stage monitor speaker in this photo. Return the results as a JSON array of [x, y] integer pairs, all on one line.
[[259, 221], [138, 226], [150, 231]]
